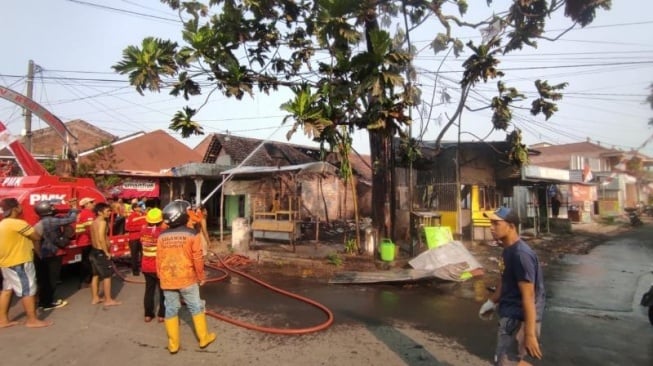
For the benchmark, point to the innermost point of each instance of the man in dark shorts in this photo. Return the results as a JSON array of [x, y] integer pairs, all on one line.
[[520, 295], [100, 257]]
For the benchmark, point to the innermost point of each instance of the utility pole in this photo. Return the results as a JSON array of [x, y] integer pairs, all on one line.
[[28, 113]]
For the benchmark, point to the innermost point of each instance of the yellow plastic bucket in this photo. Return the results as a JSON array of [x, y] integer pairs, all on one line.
[[387, 250]]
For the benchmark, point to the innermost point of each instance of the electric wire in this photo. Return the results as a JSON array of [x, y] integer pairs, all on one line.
[[124, 11]]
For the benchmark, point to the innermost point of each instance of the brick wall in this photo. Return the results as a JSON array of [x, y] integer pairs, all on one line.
[[47, 142], [322, 197]]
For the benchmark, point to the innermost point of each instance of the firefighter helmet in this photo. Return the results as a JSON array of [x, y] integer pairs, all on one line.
[[176, 213], [154, 216], [44, 208]]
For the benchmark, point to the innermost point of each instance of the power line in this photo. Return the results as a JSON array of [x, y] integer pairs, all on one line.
[[558, 66], [612, 25], [144, 7], [634, 63], [123, 11]]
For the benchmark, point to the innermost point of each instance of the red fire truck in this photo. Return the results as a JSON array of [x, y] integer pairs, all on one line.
[[38, 185]]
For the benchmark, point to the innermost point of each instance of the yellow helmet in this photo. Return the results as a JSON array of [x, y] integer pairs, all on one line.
[[154, 216]]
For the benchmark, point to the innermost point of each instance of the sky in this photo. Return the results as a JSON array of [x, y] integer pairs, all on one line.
[[608, 65]]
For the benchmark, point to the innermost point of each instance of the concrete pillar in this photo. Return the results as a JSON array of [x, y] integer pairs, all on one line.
[[198, 191], [240, 235]]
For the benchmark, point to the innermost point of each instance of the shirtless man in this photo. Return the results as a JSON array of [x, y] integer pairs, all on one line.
[[100, 257]]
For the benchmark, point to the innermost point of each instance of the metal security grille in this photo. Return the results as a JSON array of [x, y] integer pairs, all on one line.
[[437, 197]]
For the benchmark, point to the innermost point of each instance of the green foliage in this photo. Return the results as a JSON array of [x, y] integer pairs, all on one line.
[[410, 150], [361, 87], [584, 11], [334, 259], [548, 95], [183, 122], [351, 247], [482, 65], [50, 165], [518, 155], [340, 58], [148, 64], [501, 106]]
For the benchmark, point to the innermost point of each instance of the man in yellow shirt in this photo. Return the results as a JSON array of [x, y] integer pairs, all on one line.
[[17, 264]]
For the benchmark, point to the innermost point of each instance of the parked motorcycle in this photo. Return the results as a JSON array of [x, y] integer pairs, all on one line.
[[648, 210], [647, 300], [633, 216]]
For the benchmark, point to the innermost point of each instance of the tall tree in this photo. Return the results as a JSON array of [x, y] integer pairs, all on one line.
[[342, 63]]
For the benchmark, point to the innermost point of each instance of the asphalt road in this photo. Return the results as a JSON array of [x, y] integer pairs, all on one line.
[[594, 316]]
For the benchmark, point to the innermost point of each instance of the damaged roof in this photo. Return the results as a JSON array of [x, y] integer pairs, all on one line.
[[239, 148], [272, 153]]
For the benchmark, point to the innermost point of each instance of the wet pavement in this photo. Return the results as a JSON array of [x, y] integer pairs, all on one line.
[[592, 315]]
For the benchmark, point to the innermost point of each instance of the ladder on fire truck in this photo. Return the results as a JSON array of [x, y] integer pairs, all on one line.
[[24, 158]]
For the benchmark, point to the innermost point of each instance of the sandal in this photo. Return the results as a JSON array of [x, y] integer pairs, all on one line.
[[148, 319]]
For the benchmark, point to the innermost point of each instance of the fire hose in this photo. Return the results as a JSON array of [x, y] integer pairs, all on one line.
[[228, 263]]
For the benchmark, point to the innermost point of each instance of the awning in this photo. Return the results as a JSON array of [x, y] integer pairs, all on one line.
[[540, 174], [315, 168]]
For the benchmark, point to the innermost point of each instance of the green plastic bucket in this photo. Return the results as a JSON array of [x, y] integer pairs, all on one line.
[[437, 235], [387, 250]]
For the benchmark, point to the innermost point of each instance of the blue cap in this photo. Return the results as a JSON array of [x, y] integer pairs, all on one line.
[[503, 214]]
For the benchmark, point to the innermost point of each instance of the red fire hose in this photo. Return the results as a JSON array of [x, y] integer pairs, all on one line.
[[235, 260]]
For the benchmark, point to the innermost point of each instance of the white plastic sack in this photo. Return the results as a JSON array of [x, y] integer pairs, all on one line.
[[448, 261]]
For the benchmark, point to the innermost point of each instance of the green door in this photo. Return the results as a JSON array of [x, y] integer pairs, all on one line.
[[232, 208]]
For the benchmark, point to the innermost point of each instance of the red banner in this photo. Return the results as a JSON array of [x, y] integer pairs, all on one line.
[[133, 188]]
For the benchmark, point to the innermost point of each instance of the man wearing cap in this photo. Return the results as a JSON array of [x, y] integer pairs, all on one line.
[[520, 294], [17, 248], [84, 221]]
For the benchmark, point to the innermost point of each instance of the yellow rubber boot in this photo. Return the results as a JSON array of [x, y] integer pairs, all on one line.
[[205, 338], [172, 328]]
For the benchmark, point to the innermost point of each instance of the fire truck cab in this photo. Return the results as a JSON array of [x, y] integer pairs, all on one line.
[[31, 189]]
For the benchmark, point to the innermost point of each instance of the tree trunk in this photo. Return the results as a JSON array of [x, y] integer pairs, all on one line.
[[381, 153]]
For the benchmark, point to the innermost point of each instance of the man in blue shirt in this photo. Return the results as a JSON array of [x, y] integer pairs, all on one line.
[[520, 295]]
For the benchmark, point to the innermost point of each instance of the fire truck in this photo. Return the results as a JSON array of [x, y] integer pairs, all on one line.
[[38, 185]]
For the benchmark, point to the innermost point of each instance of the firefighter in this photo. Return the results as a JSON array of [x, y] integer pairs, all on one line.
[[133, 225], [149, 235], [180, 267], [197, 222], [84, 221]]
